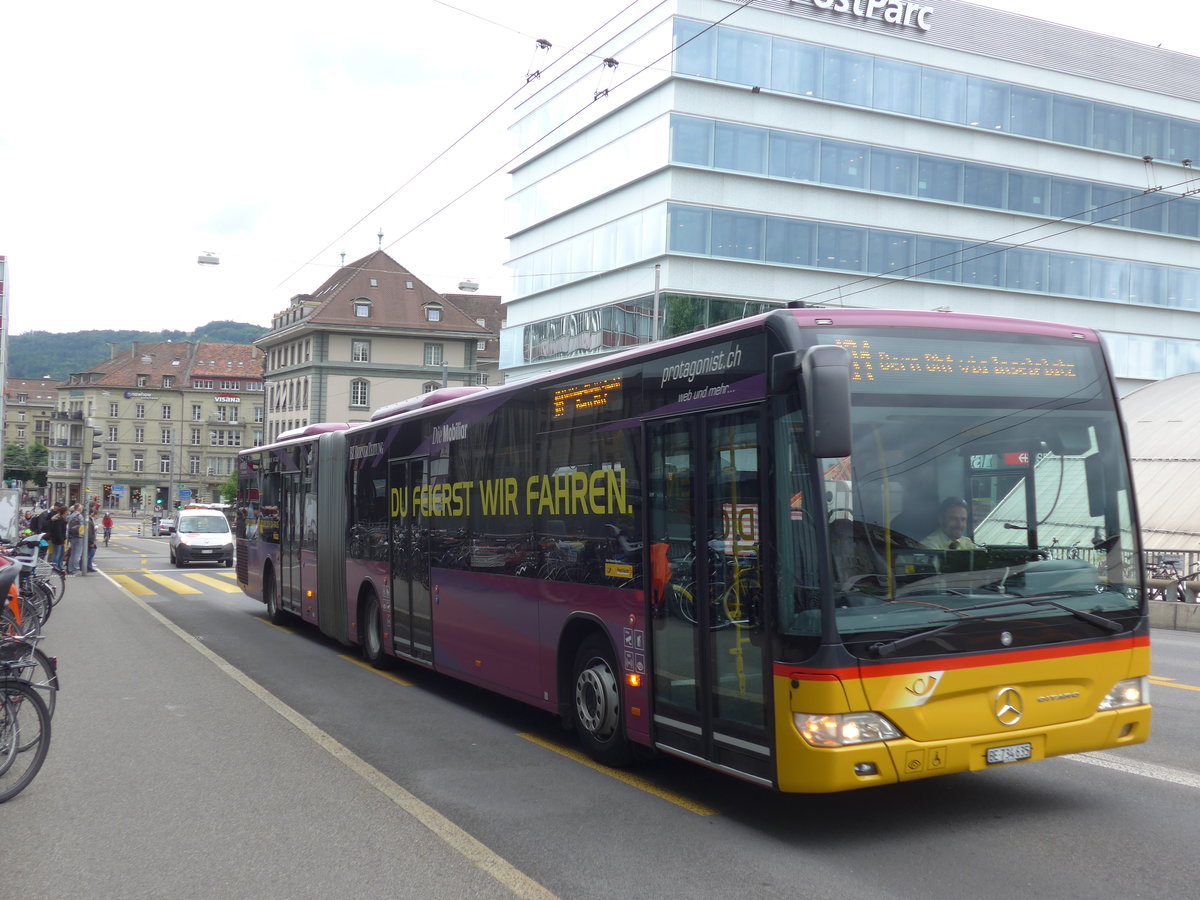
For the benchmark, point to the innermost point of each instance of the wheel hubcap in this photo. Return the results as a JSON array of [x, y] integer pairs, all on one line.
[[596, 699]]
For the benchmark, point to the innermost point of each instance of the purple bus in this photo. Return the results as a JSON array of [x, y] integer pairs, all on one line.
[[813, 549]]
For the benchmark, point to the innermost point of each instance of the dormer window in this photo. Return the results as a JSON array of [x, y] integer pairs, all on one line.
[[433, 312], [362, 308]]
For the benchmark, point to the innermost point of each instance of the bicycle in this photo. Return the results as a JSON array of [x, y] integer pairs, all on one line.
[[1166, 582], [24, 724]]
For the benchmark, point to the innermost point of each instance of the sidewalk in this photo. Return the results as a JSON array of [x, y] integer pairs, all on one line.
[[168, 778]]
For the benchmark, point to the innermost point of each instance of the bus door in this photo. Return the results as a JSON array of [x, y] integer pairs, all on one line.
[[291, 523], [708, 640], [412, 612]]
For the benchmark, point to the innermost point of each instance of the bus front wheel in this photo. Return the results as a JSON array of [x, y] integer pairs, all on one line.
[[597, 703]]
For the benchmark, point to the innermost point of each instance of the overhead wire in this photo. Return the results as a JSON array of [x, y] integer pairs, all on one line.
[[459, 139], [597, 96]]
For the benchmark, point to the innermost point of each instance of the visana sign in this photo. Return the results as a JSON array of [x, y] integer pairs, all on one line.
[[894, 12]]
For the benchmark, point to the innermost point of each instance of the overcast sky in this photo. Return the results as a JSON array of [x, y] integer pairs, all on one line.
[[135, 136]]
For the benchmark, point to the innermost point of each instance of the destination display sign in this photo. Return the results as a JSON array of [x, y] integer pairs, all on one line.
[[896, 362]]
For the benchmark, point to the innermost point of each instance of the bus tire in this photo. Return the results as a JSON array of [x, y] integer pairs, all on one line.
[[372, 631], [596, 703], [275, 615]]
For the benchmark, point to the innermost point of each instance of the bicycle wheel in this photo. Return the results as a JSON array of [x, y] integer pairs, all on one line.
[[41, 674], [24, 736], [56, 583]]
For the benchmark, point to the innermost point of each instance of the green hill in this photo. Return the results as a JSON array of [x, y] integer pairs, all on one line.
[[36, 354]]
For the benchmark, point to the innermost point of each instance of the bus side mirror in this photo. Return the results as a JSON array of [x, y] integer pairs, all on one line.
[[826, 373]]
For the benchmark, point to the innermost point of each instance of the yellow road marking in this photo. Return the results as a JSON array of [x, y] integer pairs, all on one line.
[[214, 582], [632, 780], [171, 584], [283, 628], [1182, 687], [370, 668], [132, 586]]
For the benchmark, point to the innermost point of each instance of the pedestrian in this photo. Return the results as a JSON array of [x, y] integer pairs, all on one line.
[[56, 534], [76, 535], [107, 524], [91, 541]]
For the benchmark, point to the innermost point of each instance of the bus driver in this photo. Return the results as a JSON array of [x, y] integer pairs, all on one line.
[[952, 525]]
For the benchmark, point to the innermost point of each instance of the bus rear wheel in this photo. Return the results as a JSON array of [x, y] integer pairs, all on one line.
[[596, 708], [372, 632], [271, 594]]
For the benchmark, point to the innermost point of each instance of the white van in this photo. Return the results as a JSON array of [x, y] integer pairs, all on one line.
[[201, 535]]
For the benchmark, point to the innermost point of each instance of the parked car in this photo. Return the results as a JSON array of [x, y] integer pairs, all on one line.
[[166, 525], [203, 535]]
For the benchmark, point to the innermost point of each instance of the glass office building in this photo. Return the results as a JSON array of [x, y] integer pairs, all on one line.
[[878, 153]]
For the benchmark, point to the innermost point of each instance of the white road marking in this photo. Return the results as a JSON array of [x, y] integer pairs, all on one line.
[[1132, 767]]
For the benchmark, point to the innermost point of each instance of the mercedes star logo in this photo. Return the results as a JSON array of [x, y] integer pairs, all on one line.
[[1009, 706]]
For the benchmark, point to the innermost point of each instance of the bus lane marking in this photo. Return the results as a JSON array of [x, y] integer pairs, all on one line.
[[214, 582], [633, 781], [374, 671], [1132, 767], [470, 848], [171, 584]]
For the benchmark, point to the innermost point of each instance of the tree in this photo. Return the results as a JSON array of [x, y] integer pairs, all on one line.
[[26, 464], [229, 489]]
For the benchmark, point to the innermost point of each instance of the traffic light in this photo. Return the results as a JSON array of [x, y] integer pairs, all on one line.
[[96, 432]]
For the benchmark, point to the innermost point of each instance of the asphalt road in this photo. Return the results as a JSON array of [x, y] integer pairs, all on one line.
[[200, 751]]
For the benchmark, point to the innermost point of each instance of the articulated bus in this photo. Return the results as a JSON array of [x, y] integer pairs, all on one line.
[[729, 547]]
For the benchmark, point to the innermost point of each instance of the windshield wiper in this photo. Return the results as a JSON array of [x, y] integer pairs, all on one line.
[[887, 648]]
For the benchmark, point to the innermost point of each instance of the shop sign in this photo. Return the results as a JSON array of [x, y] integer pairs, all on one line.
[[894, 12]]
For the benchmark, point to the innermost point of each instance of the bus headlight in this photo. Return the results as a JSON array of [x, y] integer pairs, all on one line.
[[845, 729], [1130, 692]]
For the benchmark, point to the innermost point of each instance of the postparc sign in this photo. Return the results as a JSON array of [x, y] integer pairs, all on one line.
[[894, 12]]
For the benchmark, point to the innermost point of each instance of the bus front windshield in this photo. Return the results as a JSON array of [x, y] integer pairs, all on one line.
[[963, 523]]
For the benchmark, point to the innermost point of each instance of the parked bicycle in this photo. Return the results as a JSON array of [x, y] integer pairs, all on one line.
[[1166, 582], [24, 721]]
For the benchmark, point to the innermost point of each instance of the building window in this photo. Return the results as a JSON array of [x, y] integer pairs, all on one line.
[[481, 378], [196, 414], [362, 309], [481, 345], [258, 415], [433, 313], [139, 411], [167, 436], [143, 380], [114, 410], [112, 462], [258, 438], [223, 438], [166, 411], [360, 392], [252, 386], [164, 465], [21, 432], [193, 464], [433, 354], [429, 386], [168, 381], [374, 282], [139, 462], [139, 435], [360, 351], [195, 438], [230, 385], [202, 384], [112, 434]]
